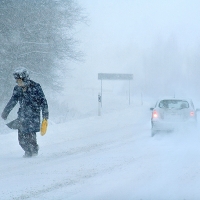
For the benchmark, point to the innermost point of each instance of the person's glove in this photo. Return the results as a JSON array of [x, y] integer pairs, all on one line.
[[43, 128], [4, 116]]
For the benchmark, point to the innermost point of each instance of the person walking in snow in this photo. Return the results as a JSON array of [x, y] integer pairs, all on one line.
[[32, 101]]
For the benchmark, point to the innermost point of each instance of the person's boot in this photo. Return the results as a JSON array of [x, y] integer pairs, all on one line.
[[35, 151], [27, 154]]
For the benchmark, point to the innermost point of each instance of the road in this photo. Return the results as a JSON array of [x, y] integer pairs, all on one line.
[[107, 157]]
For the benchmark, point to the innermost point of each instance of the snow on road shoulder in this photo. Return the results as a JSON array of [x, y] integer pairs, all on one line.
[[90, 128], [68, 153]]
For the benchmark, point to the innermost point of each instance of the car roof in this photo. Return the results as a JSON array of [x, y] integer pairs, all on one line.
[[175, 98]]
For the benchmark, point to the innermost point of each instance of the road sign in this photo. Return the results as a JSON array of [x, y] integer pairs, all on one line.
[[105, 76]]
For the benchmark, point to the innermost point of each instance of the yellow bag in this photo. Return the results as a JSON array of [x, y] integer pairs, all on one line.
[[43, 128]]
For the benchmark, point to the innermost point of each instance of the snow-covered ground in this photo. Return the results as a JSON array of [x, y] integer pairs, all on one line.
[[108, 157]]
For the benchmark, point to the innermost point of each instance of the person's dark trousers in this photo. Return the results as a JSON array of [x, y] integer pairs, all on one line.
[[28, 142]]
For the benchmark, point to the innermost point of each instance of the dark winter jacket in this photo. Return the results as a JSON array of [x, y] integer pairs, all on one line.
[[31, 102]]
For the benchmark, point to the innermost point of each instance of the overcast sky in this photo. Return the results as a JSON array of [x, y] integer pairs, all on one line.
[[142, 21], [121, 34]]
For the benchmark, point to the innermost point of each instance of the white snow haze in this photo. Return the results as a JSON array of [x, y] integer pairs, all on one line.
[[112, 156]]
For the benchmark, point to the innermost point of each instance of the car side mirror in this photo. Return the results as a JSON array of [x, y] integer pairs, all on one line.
[[151, 108]]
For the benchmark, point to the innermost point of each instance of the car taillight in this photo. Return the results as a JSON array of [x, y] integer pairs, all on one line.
[[192, 114], [155, 114]]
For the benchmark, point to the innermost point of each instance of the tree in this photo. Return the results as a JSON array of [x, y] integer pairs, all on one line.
[[36, 34]]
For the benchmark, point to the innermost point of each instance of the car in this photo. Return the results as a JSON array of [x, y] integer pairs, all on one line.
[[172, 113]]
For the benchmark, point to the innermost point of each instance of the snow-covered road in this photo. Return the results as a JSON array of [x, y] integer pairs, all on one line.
[[107, 157]]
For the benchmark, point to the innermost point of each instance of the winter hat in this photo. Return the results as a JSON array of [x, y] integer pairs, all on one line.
[[21, 73]]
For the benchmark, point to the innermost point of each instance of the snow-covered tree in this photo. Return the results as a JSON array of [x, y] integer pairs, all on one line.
[[36, 34]]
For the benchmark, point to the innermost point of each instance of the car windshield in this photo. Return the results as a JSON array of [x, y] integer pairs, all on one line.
[[173, 104]]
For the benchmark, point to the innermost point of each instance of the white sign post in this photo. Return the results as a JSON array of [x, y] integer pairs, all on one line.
[[105, 76], [99, 104]]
